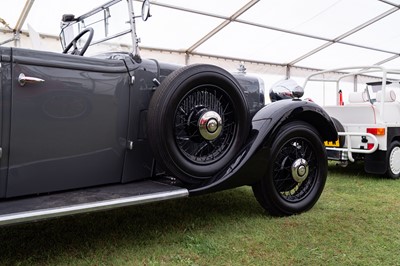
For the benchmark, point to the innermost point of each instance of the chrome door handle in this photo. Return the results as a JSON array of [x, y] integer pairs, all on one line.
[[22, 79]]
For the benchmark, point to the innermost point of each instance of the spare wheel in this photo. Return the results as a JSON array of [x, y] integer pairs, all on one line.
[[198, 120]]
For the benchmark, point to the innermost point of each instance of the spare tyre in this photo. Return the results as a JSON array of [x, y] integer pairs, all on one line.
[[198, 119]]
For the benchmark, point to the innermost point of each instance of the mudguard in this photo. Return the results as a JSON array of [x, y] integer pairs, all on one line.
[[250, 164]]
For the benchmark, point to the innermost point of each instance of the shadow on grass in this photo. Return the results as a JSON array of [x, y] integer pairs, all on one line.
[[88, 236], [352, 170]]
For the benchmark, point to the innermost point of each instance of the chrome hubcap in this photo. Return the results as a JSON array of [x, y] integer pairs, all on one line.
[[210, 125], [300, 170]]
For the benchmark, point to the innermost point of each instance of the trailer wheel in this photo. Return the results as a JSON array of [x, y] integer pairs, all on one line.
[[393, 162], [198, 120], [297, 171]]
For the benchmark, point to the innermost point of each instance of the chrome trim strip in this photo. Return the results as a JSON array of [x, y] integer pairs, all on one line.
[[89, 207]]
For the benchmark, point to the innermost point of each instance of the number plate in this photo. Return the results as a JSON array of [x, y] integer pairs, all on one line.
[[332, 143]]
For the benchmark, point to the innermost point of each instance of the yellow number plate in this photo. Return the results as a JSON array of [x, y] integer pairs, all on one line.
[[332, 143]]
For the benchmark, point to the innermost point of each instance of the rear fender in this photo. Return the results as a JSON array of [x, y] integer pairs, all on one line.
[[250, 164]]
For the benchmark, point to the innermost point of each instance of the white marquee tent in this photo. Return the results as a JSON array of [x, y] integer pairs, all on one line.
[[270, 37]]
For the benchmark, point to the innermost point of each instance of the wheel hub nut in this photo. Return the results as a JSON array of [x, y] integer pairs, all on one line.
[[300, 170], [210, 125]]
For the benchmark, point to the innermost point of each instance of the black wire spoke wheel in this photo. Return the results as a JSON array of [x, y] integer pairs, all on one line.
[[197, 122], [296, 172], [205, 124]]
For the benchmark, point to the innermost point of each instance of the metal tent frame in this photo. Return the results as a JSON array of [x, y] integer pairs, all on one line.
[[235, 18]]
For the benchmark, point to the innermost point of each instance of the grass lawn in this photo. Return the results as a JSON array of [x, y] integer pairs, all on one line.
[[355, 222]]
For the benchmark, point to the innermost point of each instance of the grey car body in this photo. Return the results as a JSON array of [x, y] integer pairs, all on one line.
[[74, 129]]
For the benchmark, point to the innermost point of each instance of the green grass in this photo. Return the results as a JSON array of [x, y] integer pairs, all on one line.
[[355, 222]]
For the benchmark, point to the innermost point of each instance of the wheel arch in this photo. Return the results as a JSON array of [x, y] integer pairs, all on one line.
[[319, 122], [393, 134]]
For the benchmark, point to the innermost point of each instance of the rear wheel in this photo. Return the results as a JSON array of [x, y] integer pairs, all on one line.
[[198, 120], [296, 173], [393, 163]]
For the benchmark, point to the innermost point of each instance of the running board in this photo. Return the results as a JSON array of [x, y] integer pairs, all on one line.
[[86, 200]]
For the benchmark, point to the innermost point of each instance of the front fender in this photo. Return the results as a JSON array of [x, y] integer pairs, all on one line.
[[284, 111], [250, 164]]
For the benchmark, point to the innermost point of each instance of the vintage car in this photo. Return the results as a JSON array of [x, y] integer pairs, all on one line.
[[84, 133], [368, 119]]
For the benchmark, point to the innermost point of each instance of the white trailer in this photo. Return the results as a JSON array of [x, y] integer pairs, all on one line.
[[368, 121]]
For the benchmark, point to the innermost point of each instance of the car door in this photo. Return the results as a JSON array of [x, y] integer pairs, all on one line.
[[69, 117]]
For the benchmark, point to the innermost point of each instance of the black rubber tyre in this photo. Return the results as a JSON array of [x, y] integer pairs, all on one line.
[[393, 160], [339, 128], [296, 172], [198, 120]]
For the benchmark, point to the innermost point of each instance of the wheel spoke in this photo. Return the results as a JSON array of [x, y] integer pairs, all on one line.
[[182, 110]]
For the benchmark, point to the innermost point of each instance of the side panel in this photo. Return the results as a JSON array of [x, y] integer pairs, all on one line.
[[70, 130], [253, 89]]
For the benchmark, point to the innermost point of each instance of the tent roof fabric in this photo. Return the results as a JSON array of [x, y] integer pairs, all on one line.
[[311, 33]]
